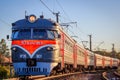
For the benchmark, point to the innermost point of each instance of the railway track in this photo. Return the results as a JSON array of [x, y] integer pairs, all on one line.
[[58, 77], [88, 75]]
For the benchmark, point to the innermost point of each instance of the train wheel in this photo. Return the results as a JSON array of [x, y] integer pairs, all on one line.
[[53, 72], [24, 78]]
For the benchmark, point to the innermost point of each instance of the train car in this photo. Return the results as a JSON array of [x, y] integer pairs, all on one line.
[[115, 63], [91, 60], [69, 53], [35, 46], [99, 59], [107, 62], [81, 57]]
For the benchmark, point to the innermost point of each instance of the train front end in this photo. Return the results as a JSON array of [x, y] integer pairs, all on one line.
[[35, 49]]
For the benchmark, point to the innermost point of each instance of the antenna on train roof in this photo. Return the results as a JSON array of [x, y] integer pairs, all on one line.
[[26, 14], [42, 16]]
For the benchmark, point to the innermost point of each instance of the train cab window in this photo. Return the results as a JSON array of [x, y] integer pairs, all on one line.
[[21, 34], [39, 34], [44, 34], [50, 34]]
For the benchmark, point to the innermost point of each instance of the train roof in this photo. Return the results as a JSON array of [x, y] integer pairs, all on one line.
[[38, 23]]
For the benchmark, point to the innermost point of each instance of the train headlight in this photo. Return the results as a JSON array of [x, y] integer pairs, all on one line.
[[32, 18], [14, 49], [51, 48]]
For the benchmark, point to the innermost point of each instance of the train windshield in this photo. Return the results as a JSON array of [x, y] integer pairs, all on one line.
[[21, 34], [34, 34], [44, 34]]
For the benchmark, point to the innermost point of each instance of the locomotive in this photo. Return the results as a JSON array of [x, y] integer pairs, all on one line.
[[41, 47]]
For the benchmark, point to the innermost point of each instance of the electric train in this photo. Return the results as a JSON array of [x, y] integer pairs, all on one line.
[[41, 47]]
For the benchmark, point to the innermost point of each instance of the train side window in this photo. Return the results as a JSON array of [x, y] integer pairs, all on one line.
[[15, 34]]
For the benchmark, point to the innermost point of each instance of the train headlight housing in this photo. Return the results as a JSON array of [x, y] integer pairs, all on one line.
[[51, 48], [32, 18], [14, 49]]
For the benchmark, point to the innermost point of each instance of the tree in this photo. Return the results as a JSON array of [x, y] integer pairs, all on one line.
[[2, 49], [104, 53], [118, 55], [3, 72], [3, 46]]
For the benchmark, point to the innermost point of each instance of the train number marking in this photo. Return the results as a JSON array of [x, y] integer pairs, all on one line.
[[38, 56], [23, 56]]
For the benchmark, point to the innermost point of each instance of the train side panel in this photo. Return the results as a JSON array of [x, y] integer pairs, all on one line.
[[90, 58], [107, 61], [115, 62], [80, 56], [68, 50], [99, 60]]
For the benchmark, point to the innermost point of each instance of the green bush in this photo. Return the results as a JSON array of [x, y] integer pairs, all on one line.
[[3, 72]]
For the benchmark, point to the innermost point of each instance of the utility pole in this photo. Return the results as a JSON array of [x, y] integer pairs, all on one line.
[[25, 13], [113, 50], [113, 47], [57, 16], [90, 37]]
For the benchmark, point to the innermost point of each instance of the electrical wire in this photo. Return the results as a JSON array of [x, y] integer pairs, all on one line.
[[68, 16], [75, 34], [63, 10], [4, 22], [46, 6]]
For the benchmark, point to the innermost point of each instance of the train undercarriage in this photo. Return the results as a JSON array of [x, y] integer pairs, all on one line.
[[69, 68]]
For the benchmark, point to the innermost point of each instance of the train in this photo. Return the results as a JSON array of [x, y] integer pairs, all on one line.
[[41, 47]]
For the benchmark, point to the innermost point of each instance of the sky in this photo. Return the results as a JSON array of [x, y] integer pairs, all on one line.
[[99, 18]]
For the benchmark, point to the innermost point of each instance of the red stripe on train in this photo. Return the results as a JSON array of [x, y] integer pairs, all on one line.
[[32, 45]]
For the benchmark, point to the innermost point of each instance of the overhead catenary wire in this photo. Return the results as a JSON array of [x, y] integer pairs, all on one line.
[[63, 10], [46, 6], [58, 13], [68, 16], [75, 34], [4, 22]]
